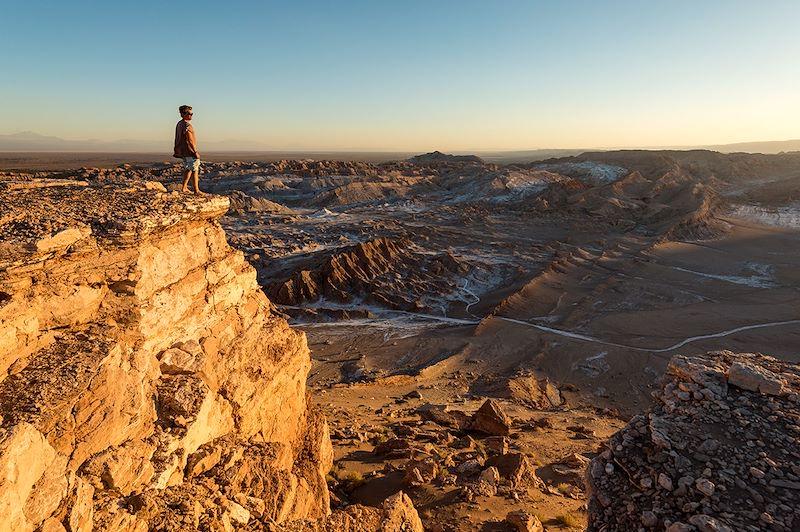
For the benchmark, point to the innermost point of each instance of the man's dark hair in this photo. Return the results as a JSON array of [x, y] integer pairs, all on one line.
[[183, 108]]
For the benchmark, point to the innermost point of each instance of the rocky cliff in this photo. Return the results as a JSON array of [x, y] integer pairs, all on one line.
[[717, 453], [144, 381]]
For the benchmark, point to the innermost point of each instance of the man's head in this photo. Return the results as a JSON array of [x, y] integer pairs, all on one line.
[[185, 111]]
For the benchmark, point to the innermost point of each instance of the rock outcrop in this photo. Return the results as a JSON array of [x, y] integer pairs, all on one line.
[[719, 451], [144, 381], [437, 157], [384, 272]]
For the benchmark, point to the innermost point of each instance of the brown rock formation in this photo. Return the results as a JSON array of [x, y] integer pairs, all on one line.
[[718, 452], [341, 274], [383, 271], [144, 381], [490, 419], [522, 521], [397, 514]]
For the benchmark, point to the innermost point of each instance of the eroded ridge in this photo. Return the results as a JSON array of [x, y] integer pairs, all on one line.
[[144, 381], [717, 452]]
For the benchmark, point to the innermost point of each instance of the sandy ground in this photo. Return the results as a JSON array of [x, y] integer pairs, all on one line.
[[371, 408]]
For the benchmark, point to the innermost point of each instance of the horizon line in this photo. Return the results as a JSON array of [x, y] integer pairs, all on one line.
[[113, 146]]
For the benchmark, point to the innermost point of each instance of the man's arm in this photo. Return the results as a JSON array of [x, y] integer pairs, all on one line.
[[192, 141], [176, 144]]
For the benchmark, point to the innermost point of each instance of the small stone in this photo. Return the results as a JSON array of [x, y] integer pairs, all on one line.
[[238, 514], [755, 379], [679, 527], [491, 419], [490, 475], [469, 467], [496, 445], [522, 521], [706, 523], [705, 486], [664, 481], [649, 519], [52, 525]]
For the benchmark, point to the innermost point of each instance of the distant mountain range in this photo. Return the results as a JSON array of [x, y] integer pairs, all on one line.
[[30, 141], [767, 147]]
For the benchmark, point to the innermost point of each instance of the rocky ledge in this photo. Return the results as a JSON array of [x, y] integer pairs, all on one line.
[[720, 452], [145, 383]]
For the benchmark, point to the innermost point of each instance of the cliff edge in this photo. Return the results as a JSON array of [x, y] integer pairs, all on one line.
[[145, 383]]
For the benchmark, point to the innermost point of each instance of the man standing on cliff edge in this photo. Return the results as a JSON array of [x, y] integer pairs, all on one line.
[[186, 149]]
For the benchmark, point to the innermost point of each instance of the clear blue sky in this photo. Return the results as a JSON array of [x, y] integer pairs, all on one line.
[[405, 75]]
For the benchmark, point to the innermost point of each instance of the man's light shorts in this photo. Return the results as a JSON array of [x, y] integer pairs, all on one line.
[[190, 163]]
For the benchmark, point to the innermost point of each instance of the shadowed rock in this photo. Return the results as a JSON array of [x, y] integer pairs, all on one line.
[[490, 419]]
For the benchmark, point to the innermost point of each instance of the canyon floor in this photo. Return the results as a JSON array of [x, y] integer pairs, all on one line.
[[560, 289]]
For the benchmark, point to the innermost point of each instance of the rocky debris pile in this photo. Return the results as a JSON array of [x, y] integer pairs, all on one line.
[[470, 455], [718, 452], [396, 514], [522, 521], [524, 387], [144, 381], [241, 204]]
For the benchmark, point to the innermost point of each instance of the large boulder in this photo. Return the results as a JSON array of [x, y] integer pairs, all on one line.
[[491, 419], [399, 515]]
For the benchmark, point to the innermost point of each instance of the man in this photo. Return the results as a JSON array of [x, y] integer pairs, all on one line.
[[186, 149]]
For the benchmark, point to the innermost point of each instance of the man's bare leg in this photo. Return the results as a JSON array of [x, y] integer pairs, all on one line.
[[196, 182], [186, 175]]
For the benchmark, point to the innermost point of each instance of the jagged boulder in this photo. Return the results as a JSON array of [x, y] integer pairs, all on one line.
[[444, 416], [491, 419], [242, 203], [399, 515], [516, 469], [396, 514], [718, 452], [522, 521]]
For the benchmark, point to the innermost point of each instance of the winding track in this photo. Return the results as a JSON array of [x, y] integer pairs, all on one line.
[[578, 336], [678, 345]]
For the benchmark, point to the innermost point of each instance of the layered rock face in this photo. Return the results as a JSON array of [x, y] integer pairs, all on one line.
[[144, 381], [719, 452]]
